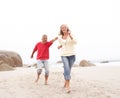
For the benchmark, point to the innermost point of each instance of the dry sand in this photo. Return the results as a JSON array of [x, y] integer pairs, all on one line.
[[87, 82]]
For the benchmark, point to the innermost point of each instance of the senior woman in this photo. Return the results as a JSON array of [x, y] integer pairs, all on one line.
[[67, 42]]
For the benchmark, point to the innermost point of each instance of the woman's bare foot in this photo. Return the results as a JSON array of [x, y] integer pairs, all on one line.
[[68, 86], [64, 85], [68, 90]]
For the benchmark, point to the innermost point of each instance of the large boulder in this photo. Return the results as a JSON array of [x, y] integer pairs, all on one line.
[[85, 63], [10, 58], [5, 67]]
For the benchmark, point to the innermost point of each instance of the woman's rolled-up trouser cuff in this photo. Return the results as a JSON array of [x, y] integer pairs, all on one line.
[[67, 77]]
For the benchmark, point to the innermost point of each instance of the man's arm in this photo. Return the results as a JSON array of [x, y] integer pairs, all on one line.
[[32, 54], [54, 39]]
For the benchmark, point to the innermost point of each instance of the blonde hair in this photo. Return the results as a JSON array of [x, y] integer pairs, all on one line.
[[61, 33]]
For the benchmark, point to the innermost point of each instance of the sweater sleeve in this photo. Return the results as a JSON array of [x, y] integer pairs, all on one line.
[[73, 41]]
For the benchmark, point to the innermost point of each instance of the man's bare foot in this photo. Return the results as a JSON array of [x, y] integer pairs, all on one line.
[[46, 83], [36, 81]]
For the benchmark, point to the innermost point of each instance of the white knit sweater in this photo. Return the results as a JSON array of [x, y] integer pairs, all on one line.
[[68, 48]]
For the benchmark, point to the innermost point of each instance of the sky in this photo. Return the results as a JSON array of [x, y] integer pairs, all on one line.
[[95, 24]]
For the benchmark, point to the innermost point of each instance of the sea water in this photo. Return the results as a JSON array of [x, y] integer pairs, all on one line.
[[98, 64]]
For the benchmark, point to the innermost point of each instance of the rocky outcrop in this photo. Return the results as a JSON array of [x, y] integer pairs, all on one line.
[[10, 58], [5, 67], [85, 63]]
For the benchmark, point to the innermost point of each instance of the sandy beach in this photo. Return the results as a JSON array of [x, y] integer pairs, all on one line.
[[86, 82]]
